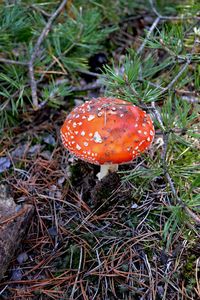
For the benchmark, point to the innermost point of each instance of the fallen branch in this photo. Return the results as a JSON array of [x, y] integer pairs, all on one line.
[[13, 62], [151, 29], [34, 55], [156, 22], [179, 200], [154, 9]]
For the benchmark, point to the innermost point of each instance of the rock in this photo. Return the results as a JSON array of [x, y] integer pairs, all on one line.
[[22, 257], [50, 140], [5, 163]]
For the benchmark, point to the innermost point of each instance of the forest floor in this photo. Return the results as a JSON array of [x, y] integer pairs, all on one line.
[[80, 244]]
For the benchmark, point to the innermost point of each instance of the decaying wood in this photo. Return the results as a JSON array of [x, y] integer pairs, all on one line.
[[14, 220]]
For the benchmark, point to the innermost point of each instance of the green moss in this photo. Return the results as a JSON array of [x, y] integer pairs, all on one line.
[[189, 267]]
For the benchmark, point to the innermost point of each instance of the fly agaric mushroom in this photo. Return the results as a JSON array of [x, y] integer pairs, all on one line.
[[107, 132]]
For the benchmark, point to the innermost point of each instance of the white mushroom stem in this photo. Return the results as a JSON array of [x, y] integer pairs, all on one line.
[[105, 169]]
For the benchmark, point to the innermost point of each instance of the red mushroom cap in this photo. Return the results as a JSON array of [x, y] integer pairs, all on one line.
[[107, 131]]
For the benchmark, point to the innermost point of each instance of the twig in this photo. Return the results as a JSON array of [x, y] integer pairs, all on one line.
[[134, 92], [87, 87], [5, 287], [179, 200], [157, 20], [166, 136], [154, 9], [40, 10], [46, 31], [172, 53], [42, 36], [78, 272], [89, 73], [170, 85], [151, 29], [182, 70], [191, 97], [188, 93], [158, 116], [167, 175], [169, 17], [14, 62], [54, 62]]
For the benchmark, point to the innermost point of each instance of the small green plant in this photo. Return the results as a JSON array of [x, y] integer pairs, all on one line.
[[159, 84], [65, 51]]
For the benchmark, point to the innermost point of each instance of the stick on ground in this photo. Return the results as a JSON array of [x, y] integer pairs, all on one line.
[[14, 221], [36, 48]]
